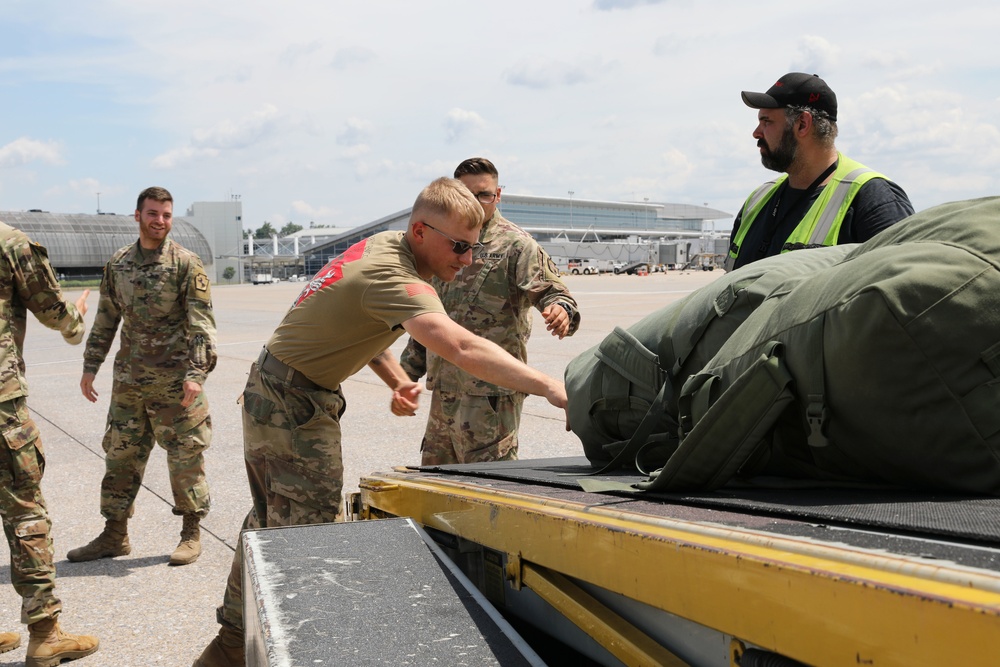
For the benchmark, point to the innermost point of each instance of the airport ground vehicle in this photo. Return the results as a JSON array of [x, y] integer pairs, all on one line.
[[584, 266], [263, 279], [820, 577], [739, 577]]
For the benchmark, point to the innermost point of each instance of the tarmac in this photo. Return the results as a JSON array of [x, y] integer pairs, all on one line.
[[146, 612]]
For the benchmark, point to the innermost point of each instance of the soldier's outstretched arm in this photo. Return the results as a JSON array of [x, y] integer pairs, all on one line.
[[39, 290], [482, 358]]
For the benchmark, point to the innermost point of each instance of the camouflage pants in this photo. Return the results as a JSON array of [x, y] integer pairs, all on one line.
[[140, 416], [471, 429], [291, 443], [25, 517]]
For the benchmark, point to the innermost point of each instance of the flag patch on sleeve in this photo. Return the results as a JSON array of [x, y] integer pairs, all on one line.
[[415, 289]]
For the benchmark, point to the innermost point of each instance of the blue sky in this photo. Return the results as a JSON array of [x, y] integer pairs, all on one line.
[[340, 112]]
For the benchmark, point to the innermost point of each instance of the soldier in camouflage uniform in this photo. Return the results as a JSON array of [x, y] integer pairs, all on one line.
[[28, 283], [472, 420], [167, 349], [346, 317]]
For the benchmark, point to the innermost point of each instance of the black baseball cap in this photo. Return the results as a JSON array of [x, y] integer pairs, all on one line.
[[795, 89]]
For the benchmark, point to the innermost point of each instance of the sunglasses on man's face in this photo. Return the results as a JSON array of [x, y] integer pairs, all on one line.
[[458, 247]]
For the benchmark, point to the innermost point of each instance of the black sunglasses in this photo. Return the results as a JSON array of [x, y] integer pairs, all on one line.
[[459, 247]]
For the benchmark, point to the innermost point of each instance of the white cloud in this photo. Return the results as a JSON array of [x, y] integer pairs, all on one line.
[[356, 131], [460, 122], [545, 73], [226, 135], [296, 52], [815, 55], [314, 213], [240, 133], [182, 156], [355, 151], [352, 55], [23, 150], [610, 5]]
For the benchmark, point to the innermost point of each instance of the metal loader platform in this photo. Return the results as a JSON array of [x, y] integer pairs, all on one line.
[[743, 576]]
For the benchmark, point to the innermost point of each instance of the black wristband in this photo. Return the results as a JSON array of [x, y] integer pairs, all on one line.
[[568, 308]]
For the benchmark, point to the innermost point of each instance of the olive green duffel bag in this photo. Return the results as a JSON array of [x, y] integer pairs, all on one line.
[[623, 392], [883, 368]]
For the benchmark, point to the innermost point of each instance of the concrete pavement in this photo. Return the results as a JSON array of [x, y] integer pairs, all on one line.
[[148, 613]]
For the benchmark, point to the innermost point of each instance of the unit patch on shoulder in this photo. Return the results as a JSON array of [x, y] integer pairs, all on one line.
[[201, 282]]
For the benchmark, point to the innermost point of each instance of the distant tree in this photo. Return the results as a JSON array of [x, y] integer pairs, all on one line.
[[289, 229], [228, 273], [265, 231]]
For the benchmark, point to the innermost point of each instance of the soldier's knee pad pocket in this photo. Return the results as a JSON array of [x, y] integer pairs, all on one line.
[[303, 485], [20, 435], [32, 528]]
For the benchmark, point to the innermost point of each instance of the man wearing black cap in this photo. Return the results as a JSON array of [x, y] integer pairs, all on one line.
[[823, 197]]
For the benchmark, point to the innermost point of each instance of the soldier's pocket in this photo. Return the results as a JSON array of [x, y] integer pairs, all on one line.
[[258, 407], [22, 434], [479, 293], [318, 493], [26, 451], [161, 290]]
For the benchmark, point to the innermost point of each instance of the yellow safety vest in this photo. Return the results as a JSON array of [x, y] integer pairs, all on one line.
[[820, 226]]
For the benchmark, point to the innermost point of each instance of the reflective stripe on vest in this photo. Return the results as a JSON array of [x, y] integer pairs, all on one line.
[[820, 226]]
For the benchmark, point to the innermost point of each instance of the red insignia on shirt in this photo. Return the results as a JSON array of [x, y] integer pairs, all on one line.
[[332, 272], [414, 289]]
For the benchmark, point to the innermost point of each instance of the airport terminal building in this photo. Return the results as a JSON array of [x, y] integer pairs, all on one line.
[[80, 244], [568, 228]]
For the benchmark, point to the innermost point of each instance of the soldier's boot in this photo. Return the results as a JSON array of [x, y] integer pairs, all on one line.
[[113, 541], [225, 650], [9, 641], [48, 645], [190, 545]]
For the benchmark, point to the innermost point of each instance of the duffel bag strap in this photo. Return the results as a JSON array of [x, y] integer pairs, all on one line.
[[730, 431]]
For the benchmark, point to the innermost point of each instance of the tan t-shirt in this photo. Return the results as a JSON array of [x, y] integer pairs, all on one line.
[[353, 310]]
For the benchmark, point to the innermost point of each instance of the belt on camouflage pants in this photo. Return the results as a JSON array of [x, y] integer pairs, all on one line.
[[269, 364]]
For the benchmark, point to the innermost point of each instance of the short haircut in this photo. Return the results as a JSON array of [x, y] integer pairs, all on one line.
[[156, 194], [448, 196], [475, 166], [824, 129]]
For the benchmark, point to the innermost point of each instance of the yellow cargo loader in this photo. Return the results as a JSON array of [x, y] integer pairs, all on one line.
[[750, 576]]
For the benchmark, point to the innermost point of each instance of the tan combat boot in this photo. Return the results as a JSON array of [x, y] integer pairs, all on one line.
[[225, 650], [48, 645], [9, 641], [113, 541], [190, 546]]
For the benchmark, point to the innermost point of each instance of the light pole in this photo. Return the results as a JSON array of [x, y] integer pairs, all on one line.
[[98, 203], [570, 207], [239, 236], [645, 212]]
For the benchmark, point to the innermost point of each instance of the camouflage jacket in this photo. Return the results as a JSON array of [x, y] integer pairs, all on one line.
[[28, 283], [166, 303], [493, 298]]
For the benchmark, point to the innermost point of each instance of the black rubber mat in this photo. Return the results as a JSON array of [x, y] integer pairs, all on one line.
[[967, 517]]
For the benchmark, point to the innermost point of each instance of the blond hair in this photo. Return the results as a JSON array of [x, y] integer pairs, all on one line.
[[448, 196]]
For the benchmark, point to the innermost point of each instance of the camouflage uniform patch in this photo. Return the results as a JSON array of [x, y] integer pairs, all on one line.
[[491, 298], [163, 301], [293, 458]]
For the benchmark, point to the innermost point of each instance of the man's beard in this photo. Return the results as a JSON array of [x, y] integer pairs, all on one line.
[[783, 155]]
